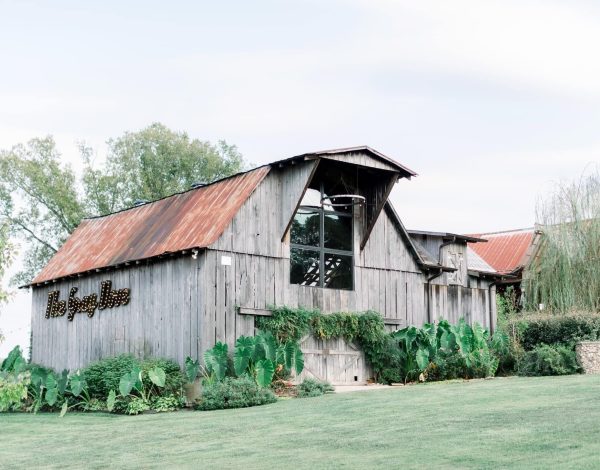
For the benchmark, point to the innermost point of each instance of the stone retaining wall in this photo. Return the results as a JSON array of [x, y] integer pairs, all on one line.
[[588, 355]]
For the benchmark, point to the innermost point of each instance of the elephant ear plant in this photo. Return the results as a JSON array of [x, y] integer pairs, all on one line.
[[260, 357], [434, 344], [140, 394]]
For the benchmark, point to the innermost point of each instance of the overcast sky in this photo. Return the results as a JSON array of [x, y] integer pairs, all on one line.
[[490, 102]]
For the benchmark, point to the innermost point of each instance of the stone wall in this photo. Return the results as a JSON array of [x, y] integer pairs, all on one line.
[[588, 355]]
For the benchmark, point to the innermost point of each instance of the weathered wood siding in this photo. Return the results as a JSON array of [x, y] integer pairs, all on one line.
[[451, 302], [160, 320], [386, 276], [182, 306], [361, 159]]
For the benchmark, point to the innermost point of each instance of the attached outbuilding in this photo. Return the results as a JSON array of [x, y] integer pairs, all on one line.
[[172, 277]]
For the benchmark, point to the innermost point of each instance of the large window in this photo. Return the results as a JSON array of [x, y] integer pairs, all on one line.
[[321, 242]]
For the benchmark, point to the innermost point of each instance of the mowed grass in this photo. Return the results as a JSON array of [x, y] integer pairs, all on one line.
[[504, 422]]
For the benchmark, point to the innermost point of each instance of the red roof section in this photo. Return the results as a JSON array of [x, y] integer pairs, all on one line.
[[193, 219], [505, 251]]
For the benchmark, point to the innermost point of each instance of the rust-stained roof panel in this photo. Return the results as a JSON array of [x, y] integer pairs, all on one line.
[[505, 251], [193, 219]]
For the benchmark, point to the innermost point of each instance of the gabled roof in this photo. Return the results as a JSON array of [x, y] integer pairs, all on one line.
[[189, 220], [184, 221], [404, 171], [508, 251]]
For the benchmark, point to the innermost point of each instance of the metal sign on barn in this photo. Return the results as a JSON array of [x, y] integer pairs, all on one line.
[[109, 298]]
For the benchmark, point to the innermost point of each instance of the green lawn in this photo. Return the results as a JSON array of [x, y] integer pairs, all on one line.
[[506, 422]]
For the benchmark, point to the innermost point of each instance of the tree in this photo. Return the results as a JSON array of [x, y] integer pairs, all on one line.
[[151, 164], [6, 256], [43, 199], [565, 273], [39, 199]]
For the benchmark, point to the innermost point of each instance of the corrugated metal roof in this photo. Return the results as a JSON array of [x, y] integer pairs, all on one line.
[[192, 219], [476, 262], [506, 252]]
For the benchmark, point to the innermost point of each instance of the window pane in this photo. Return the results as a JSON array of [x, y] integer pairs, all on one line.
[[338, 271], [338, 232], [312, 198], [305, 228], [304, 267]]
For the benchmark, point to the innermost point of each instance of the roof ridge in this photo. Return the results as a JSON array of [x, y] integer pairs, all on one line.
[[499, 232], [225, 178]]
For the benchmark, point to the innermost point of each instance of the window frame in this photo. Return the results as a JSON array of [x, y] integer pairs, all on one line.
[[321, 249]]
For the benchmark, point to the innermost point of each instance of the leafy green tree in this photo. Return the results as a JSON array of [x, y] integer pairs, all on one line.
[[43, 199], [39, 198], [151, 164], [6, 255]]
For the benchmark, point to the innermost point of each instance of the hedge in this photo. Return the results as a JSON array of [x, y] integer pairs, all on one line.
[[566, 330]]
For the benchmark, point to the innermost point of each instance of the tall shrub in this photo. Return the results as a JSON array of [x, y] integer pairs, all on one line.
[[566, 274]]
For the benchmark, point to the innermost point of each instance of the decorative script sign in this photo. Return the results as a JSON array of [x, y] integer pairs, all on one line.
[[109, 298]]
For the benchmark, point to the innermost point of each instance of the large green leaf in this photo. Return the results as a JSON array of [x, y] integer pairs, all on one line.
[[19, 365], [110, 401], [51, 395], [294, 358], [400, 335], [447, 341], [191, 368], [127, 383], [38, 375], [248, 342], [479, 336], [64, 409], [136, 377], [216, 360], [76, 384], [422, 358], [241, 360], [8, 364], [464, 337], [264, 372], [157, 376], [51, 381], [266, 342]]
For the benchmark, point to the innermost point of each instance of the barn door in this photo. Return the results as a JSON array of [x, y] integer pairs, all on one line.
[[336, 361]]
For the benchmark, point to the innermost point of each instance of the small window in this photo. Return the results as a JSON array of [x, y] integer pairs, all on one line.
[[306, 228], [321, 245]]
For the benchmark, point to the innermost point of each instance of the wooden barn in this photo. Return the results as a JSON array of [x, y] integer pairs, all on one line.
[[172, 277]]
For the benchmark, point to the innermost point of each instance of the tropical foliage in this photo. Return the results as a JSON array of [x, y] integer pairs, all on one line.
[[258, 357], [147, 385]]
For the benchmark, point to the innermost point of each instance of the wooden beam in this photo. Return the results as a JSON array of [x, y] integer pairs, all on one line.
[[392, 321], [373, 220], [255, 311], [308, 181]]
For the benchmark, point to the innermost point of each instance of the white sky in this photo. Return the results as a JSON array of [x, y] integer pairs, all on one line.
[[491, 102]]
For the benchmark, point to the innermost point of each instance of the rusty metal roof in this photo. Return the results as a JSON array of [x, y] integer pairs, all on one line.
[[506, 251], [184, 221], [192, 219]]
